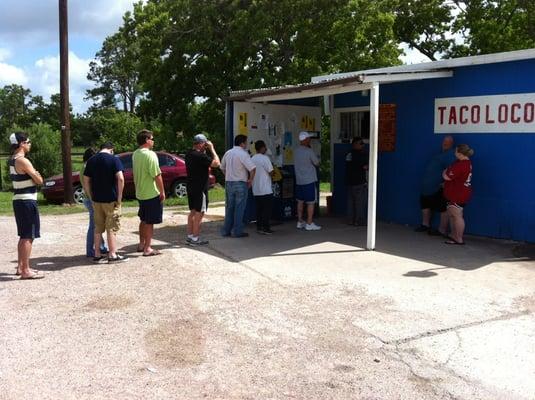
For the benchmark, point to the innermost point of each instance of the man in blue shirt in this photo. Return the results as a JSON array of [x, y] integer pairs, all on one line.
[[431, 198], [104, 180]]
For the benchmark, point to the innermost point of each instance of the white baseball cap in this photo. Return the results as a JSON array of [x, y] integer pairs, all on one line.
[[304, 135]]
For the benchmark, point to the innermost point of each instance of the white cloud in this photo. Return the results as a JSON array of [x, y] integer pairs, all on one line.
[[31, 22], [45, 80], [10, 74]]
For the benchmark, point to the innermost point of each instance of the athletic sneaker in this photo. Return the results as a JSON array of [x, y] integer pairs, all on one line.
[[267, 232], [198, 242], [99, 260], [188, 239], [261, 232], [117, 259], [301, 224], [312, 227]]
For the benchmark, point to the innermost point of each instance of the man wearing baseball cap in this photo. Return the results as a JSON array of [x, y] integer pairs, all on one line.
[[25, 180], [199, 159], [306, 179]]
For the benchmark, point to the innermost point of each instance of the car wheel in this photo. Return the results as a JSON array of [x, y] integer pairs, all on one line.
[[179, 189], [78, 194]]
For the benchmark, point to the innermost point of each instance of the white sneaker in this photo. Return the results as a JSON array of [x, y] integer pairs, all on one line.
[[300, 225], [312, 227]]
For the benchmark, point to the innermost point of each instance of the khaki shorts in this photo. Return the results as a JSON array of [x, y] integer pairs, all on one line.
[[107, 217]]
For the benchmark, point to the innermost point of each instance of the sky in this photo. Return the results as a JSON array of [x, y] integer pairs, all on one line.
[[29, 43]]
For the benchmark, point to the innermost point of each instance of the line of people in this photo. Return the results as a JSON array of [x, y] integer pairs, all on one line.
[[103, 183]]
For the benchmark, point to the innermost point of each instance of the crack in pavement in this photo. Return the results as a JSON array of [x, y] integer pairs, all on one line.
[[441, 331]]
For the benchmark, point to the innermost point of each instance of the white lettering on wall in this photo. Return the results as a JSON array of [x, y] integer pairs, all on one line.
[[506, 113]]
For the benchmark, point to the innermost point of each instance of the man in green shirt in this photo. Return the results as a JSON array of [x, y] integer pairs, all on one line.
[[150, 191]]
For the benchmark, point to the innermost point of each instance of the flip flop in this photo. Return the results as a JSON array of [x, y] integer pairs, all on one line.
[[451, 241], [17, 272], [152, 253], [32, 276], [139, 250]]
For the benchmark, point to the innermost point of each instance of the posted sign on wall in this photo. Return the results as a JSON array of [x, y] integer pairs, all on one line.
[[507, 113]]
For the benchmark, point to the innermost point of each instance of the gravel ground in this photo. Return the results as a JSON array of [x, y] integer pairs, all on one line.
[[189, 324]]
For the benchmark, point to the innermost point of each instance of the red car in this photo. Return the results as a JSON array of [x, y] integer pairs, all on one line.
[[173, 172]]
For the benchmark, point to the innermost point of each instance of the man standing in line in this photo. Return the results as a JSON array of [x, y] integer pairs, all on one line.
[[357, 188], [150, 191], [239, 173], [25, 180], [262, 188], [104, 180], [306, 178], [199, 159], [431, 197]]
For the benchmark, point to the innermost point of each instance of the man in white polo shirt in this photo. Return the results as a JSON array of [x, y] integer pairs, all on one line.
[[239, 173]]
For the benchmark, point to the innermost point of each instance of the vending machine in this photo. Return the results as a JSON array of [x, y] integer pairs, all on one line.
[[278, 125]]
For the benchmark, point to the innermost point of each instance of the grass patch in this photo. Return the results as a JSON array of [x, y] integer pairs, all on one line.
[[325, 186], [6, 208]]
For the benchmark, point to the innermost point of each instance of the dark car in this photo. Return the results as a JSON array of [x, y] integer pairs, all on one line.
[[173, 173]]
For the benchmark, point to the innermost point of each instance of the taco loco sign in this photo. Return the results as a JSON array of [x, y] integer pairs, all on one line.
[[510, 113]]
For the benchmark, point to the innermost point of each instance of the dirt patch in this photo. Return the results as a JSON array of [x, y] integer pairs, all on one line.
[[110, 303], [179, 343]]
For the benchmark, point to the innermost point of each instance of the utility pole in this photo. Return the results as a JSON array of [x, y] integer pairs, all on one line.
[[64, 101]]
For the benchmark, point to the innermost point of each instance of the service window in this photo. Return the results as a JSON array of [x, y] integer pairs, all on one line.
[[354, 124]]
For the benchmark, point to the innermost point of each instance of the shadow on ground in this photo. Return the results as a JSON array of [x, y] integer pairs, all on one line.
[[338, 239]]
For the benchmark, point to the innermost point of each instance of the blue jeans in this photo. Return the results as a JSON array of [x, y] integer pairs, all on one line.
[[90, 238], [235, 201]]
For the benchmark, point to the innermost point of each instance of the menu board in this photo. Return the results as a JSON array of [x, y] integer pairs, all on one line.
[[387, 127]]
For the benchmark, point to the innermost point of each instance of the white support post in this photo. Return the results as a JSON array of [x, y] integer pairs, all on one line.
[[372, 166]]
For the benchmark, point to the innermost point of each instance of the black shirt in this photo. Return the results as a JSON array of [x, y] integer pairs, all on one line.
[[355, 173], [101, 168], [197, 165]]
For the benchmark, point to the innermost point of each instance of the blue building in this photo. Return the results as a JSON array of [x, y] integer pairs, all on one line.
[[485, 101]]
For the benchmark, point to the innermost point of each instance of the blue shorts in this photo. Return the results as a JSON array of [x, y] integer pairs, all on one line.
[[27, 217], [150, 211], [307, 193]]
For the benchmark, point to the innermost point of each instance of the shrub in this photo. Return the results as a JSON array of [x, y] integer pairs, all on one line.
[[45, 153]]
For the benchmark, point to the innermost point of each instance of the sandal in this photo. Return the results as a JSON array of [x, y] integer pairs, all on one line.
[[32, 276], [152, 253]]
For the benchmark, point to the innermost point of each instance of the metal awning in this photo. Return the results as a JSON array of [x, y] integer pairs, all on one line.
[[331, 87]]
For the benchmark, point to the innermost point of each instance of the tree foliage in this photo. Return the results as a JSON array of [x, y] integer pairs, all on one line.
[[115, 69]]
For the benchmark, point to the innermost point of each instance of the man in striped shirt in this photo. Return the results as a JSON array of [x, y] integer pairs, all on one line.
[[25, 180]]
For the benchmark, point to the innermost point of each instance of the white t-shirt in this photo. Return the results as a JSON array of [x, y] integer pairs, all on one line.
[[262, 179]]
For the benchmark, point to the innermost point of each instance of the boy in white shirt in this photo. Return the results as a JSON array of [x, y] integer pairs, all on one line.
[[262, 190]]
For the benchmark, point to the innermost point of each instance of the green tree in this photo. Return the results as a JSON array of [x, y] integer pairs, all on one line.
[[115, 70], [494, 26], [15, 106], [202, 49]]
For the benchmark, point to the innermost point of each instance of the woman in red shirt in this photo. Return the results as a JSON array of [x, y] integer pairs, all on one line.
[[458, 190]]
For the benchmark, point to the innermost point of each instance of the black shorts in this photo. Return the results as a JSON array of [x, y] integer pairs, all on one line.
[[435, 202], [27, 217], [198, 200], [151, 211]]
